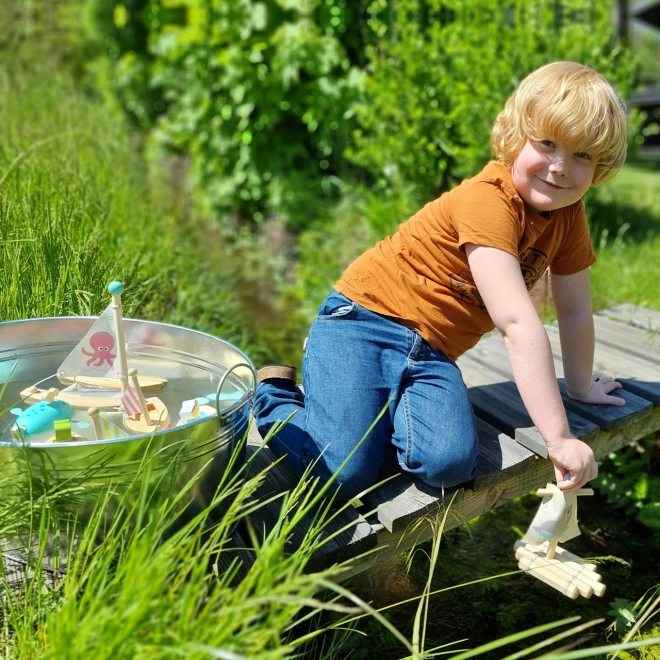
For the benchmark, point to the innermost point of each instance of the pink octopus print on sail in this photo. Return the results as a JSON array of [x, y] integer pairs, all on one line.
[[96, 353]]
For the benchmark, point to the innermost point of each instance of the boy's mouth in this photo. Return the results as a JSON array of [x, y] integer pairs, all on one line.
[[553, 185]]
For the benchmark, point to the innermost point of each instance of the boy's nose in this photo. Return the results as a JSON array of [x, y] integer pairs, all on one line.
[[558, 166]]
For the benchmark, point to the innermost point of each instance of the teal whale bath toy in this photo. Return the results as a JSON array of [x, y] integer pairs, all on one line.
[[41, 417]]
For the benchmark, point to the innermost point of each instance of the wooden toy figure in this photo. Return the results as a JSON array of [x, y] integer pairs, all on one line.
[[538, 553]]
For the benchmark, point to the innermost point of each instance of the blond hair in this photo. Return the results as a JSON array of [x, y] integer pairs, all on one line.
[[569, 103]]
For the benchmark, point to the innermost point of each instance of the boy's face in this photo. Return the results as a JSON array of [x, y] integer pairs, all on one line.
[[549, 176]]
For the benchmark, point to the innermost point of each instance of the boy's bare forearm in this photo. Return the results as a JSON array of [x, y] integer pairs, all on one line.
[[576, 334], [533, 370]]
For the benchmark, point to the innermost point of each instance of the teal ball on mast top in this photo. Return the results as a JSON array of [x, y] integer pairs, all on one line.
[[116, 288]]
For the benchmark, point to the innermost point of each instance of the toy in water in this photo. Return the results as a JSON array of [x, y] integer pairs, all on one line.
[[189, 410], [64, 432], [82, 398], [202, 411], [96, 370], [41, 417], [143, 415], [102, 428], [539, 555]]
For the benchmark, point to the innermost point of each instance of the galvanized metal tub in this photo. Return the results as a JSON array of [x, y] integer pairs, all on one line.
[[192, 361]]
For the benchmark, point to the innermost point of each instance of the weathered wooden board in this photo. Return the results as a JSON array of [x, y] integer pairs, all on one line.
[[403, 499], [500, 404], [639, 317], [500, 457], [627, 338], [609, 361], [348, 529], [476, 503], [606, 417]]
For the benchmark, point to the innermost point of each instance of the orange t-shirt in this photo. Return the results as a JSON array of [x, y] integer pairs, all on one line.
[[420, 275]]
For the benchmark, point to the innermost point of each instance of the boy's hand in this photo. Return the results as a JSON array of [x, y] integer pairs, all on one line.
[[575, 457], [600, 392]]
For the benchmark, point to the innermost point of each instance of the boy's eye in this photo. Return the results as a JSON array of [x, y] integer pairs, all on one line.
[[583, 155], [547, 143]]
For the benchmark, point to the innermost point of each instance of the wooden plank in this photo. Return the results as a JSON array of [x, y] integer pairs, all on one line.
[[476, 503], [628, 339], [500, 403], [357, 536], [500, 457], [607, 417], [481, 379], [403, 500], [639, 317]]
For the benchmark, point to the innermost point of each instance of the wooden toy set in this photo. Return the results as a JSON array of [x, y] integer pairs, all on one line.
[[538, 551], [103, 397]]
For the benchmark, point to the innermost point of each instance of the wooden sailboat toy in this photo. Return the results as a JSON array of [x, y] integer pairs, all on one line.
[[97, 376], [539, 554]]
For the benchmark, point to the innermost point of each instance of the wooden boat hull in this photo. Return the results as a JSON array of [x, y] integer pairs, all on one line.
[[160, 418], [147, 383], [79, 401]]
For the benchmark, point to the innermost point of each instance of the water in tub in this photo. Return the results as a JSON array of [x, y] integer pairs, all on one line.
[[188, 401]]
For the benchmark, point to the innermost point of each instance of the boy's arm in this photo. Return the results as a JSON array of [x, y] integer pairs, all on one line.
[[499, 281], [572, 298]]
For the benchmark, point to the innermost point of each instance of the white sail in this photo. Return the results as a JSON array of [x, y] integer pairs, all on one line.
[[96, 353], [556, 518]]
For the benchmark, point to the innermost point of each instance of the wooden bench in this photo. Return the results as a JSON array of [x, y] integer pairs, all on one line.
[[396, 515]]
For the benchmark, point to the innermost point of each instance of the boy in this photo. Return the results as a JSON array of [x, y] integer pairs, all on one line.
[[406, 309]]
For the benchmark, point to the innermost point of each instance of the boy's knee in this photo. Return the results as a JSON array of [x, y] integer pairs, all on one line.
[[449, 471]]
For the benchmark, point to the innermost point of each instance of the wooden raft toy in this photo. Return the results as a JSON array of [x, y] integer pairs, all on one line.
[[539, 555]]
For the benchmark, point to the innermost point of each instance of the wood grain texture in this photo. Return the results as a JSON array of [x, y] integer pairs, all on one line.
[[500, 457], [627, 338], [476, 503], [639, 317], [403, 498]]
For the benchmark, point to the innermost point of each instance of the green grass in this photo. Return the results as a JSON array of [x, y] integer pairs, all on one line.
[[625, 220], [79, 208]]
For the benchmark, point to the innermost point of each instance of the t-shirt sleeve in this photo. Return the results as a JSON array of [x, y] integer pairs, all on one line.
[[484, 215], [576, 252]]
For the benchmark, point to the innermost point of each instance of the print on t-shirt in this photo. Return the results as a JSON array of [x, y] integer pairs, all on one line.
[[463, 284], [533, 264]]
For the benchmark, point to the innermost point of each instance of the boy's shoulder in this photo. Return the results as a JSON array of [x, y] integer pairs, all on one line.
[[494, 181], [495, 173]]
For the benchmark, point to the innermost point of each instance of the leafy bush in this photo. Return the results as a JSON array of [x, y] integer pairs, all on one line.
[[259, 94], [631, 482], [442, 69]]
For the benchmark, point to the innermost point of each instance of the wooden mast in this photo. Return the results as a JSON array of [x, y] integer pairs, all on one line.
[[116, 289]]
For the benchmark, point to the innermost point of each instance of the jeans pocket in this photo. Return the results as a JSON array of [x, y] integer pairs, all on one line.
[[336, 306]]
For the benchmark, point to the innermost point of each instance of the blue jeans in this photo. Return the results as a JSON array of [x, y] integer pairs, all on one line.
[[356, 363]]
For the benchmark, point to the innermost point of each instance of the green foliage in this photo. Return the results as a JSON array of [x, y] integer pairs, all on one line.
[[261, 94], [631, 482], [442, 69], [257, 93], [622, 613], [79, 209]]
